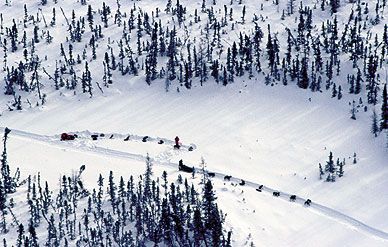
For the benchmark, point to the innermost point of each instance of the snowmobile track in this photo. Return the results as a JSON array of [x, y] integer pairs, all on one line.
[[314, 207]]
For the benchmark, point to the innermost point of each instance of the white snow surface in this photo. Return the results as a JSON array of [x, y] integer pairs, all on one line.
[[271, 136], [263, 135]]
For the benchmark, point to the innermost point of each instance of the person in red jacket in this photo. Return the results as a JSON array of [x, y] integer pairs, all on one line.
[[177, 142]]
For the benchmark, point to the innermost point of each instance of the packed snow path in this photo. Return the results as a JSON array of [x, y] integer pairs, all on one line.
[[132, 137], [315, 207]]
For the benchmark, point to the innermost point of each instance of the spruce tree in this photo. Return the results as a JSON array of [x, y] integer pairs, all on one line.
[[341, 168], [353, 110], [8, 183], [384, 110], [147, 178], [375, 127], [304, 77], [329, 167], [3, 207], [357, 88], [321, 173], [19, 241], [211, 215], [334, 5]]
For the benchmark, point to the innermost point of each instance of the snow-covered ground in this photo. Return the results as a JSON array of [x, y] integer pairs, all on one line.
[[264, 135], [272, 136]]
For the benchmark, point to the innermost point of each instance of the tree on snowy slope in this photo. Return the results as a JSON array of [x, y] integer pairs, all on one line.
[[290, 7], [87, 80], [213, 219], [171, 54], [330, 168], [372, 84], [375, 127], [3, 207], [334, 5], [271, 51], [384, 110], [151, 60], [147, 178], [321, 173], [304, 77], [341, 165], [7, 181]]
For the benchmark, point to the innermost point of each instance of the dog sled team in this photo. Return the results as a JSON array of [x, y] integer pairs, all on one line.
[[181, 167], [70, 137]]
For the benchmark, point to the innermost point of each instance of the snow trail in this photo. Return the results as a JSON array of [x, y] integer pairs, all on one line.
[[132, 137], [314, 207]]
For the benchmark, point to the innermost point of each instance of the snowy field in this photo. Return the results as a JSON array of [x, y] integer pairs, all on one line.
[[273, 136], [262, 135]]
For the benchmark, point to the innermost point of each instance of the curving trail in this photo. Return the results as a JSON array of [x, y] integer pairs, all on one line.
[[132, 137], [315, 207]]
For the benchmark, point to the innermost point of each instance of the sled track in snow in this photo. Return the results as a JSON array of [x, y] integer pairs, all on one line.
[[78, 146], [314, 207], [132, 137]]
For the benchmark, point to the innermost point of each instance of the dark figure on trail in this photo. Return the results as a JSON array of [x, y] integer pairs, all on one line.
[[177, 146], [185, 168], [94, 137], [68, 137]]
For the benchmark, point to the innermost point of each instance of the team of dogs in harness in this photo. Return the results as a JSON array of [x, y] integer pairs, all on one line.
[[188, 169], [94, 137], [182, 167]]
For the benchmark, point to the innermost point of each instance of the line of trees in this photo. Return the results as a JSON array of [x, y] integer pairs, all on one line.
[[122, 212], [158, 49]]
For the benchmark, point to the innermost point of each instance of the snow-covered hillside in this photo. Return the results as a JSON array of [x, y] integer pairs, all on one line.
[[271, 135]]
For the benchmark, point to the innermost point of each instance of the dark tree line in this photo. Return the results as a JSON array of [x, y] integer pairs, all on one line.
[[122, 212], [159, 50]]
